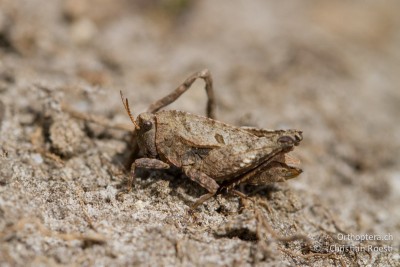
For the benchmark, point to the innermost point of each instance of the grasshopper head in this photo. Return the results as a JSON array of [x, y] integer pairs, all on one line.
[[145, 130], [146, 133]]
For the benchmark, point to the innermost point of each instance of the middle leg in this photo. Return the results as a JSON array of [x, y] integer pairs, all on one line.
[[205, 181]]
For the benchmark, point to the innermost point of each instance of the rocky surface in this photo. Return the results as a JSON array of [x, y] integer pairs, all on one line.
[[329, 68]]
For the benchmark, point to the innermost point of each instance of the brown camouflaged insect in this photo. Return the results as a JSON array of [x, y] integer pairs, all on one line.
[[216, 155]]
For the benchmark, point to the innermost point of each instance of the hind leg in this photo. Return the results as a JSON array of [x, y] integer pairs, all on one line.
[[206, 76]]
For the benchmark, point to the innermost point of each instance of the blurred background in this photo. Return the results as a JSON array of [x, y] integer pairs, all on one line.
[[329, 68]]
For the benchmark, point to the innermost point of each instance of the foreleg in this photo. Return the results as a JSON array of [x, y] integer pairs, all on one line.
[[145, 163]]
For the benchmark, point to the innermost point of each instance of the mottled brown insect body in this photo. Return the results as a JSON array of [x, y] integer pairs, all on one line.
[[214, 154]]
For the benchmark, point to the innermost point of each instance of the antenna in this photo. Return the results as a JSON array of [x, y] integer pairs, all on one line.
[[128, 110]]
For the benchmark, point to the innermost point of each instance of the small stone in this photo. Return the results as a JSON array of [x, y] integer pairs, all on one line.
[[66, 136], [37, 158]]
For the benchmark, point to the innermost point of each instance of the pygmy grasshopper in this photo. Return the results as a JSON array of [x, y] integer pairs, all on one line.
[[216, 155]]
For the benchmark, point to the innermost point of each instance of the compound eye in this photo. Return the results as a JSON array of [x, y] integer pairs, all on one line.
[[147, 125], [286, 140]]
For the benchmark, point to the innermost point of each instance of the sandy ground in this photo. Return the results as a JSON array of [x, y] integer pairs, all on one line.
[[329, 68]]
